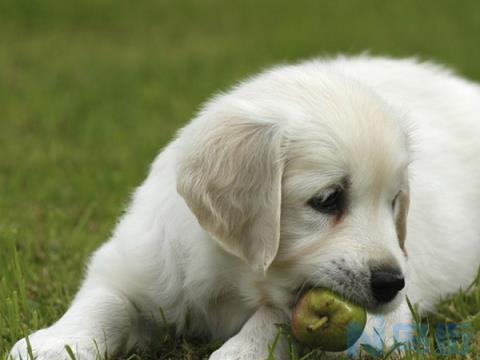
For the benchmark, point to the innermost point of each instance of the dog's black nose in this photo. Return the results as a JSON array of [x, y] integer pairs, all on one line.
[[386, 283]]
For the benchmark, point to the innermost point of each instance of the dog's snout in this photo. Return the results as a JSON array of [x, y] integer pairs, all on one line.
[[386, 283]]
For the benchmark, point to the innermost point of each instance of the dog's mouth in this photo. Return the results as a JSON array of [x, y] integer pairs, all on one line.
[[357, 296], [300, 292]]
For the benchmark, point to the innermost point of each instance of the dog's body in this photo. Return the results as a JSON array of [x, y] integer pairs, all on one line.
[[237, 215]]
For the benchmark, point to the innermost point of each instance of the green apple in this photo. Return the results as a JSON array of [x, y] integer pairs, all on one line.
[[322, 319]]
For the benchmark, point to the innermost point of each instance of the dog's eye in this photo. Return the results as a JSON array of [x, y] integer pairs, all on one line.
[[332, 203]]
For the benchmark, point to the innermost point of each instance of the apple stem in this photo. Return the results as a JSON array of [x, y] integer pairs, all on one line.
[[317, 325]]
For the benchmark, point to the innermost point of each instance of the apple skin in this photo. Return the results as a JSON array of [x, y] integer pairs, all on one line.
[[322, 319]]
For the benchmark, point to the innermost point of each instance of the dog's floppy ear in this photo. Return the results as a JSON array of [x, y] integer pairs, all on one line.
[[230, 177], [401, 218]]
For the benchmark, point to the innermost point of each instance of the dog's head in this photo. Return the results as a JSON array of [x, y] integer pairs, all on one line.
[[305, 179]]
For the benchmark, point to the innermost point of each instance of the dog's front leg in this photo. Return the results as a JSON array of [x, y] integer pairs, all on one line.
[[255, 337], [99, 321]]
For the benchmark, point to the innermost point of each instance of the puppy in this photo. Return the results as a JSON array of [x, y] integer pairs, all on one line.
[[300, 177]]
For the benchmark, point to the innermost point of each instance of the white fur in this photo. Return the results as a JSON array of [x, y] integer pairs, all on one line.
[[220, 236]]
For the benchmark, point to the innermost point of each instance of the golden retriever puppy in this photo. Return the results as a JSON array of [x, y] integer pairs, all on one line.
[[361, 175]]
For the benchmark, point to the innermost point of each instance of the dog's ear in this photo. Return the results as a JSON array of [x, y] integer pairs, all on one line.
[[230, 177], [401, 218]]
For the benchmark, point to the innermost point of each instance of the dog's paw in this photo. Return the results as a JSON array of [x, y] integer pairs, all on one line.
[[45, 345], [234, 349], [233, 354]]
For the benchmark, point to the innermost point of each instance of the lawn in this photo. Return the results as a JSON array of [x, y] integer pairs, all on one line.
[[91, 90]]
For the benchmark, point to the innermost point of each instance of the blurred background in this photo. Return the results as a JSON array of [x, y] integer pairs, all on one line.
[[91, 90]]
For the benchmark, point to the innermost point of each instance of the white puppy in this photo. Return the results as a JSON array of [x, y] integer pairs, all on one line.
[[299, 177]]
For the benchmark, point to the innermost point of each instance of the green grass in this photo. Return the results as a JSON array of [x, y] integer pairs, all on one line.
[[91, 90]]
